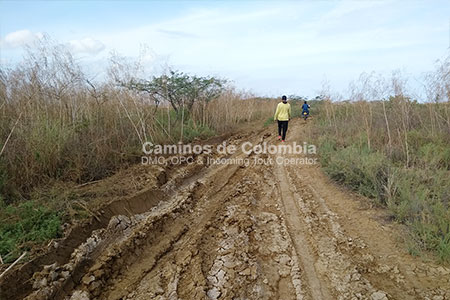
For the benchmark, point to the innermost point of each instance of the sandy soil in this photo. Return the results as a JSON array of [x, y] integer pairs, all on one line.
[[263, 231]]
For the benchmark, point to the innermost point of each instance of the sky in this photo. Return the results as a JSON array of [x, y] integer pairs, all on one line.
[[268, 48]]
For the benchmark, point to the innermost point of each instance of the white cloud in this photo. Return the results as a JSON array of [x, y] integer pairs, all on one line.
[[87, 45], [20, 38], [279, 46]]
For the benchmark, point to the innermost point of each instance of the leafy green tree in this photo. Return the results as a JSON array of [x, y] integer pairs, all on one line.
[[179, 89]]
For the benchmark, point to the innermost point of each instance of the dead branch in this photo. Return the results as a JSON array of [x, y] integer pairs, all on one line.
[[13, 264]]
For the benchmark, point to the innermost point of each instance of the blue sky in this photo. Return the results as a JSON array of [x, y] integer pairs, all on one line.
[[267, 47]]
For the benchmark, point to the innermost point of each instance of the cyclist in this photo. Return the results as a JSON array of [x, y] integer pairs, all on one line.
[[305, 109]]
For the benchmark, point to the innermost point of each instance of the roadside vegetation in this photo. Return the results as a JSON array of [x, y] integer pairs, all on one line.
[[59, 125], [394, 150]]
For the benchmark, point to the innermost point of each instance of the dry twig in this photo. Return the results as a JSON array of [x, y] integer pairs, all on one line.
[[13, 264]]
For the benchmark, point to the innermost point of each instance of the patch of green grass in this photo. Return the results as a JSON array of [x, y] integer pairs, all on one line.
[[444, 249], [268, 122], [25, 225], [360, 169]]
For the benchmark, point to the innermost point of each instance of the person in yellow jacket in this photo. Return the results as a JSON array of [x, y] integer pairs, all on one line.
[[283, 115]]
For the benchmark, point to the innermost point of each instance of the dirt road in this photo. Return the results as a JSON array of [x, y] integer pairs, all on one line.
[[262, 231]]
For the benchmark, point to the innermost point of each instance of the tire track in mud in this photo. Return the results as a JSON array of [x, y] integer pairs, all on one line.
[[189, 218], [187, 211], [228, 248], [340, 261], [336, 254], [295, 226], [233, 245]]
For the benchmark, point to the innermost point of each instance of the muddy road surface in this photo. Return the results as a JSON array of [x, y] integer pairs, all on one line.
[[267, 230]]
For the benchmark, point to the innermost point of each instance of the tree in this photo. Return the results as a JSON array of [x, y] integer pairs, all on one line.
[[297, 98], [179, 89]]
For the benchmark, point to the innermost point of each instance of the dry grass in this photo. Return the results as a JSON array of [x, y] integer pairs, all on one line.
[[57, 124]]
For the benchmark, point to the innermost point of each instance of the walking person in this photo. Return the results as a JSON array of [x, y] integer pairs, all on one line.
[[283, 115]]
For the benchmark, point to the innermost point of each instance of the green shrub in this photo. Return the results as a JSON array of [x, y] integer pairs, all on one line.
[[327, 147], [422, 202], [435, 156], [24, 225], [360, 169], [268, 122], [192, 131], [444, 249]]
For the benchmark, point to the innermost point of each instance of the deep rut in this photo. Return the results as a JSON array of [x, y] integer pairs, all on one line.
[[296, 230]]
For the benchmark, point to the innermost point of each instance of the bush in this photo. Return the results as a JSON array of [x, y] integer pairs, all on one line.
[[24, 225], [421, 202], [361, 170], [192, 131], [435, 156]]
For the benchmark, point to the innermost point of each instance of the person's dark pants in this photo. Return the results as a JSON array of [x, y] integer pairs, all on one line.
[[282, 129]]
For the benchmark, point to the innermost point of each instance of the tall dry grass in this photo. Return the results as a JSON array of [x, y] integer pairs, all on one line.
[[56, 123]]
